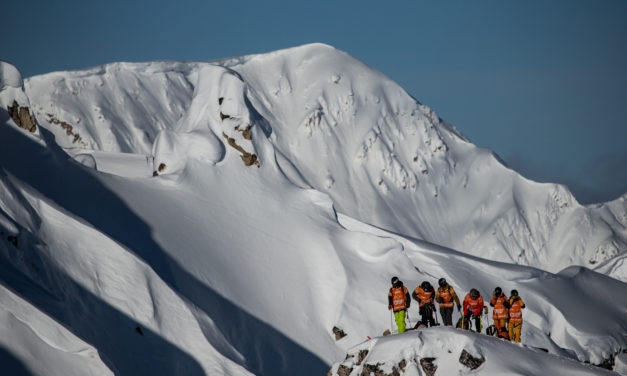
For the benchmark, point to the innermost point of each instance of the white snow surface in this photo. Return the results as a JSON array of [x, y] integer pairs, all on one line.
[[132, 229], [445, 346]]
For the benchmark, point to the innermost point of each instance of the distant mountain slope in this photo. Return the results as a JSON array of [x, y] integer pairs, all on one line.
[[352, 133]]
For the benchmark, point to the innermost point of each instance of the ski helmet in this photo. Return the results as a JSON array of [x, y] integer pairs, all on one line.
[[395, 280], [425, 285], [514, 293], [474, 293], [442, 282], [498, 291]]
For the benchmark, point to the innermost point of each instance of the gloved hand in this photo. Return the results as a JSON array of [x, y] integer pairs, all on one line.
[[390, 307], [459, 308]]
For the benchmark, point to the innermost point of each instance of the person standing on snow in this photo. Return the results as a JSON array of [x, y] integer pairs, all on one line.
[[424, 295], [500, 303], [473, 307], [445, 297], [515, 316], [398, 302]]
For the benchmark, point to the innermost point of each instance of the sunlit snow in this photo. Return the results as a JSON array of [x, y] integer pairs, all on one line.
[[222, 217]]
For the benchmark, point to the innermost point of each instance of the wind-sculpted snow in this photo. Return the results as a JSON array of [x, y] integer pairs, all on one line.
[[41, 344], [115, 108], [350, 132], [388, 160], [10, 77], [191, 210]]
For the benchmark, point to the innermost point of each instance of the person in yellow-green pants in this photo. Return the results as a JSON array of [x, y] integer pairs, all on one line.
[[515, 316], [398, 302]]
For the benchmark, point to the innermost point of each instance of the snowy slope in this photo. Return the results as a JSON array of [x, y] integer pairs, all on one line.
[[351, 133], [232, 259], [38, 343], [388, 160], [407, 353], [554, 318]]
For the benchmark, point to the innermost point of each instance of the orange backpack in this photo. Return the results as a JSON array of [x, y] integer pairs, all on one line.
[[474, 304], [500, 311], [445, 295], [424, 296], [399, 299], [515, 311]]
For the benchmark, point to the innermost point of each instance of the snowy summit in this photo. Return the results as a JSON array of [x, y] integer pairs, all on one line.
[[245, 217]]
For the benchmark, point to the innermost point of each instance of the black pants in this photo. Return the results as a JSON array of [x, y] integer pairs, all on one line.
[[426, 314], [447, 315], [467, 322]]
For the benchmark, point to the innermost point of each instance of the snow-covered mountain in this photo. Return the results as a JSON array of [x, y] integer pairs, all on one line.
[[223, 217], [349, 132]]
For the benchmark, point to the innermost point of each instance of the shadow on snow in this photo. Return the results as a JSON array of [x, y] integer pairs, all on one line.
[[71, 186]]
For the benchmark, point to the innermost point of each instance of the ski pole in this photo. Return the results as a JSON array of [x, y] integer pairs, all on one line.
[[436, 316], [391, 321], [408, 319]]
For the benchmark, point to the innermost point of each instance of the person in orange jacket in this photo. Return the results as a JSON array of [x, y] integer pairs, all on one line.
[[445, 296], [473, 308], [424, 295], [515, 316], [500, 303], [398, 302]]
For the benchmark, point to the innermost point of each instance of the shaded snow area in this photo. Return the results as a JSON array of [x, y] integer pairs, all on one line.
[[222, 218]]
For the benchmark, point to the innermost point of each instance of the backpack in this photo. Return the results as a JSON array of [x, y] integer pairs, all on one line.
[[399, 300]]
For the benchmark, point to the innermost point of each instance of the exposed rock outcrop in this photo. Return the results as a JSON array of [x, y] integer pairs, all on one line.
[[428, 366], [248, 158], [22, 117], [67, 127], [470, 361], [339, 333]]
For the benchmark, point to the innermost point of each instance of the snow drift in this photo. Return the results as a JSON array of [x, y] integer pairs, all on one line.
[[223, 217], [451, 352]]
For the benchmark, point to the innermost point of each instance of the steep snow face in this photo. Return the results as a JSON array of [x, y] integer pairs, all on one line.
[[83, 278], [388, 160], [72, 287], [39, 344], [346, 130], [115, 108]]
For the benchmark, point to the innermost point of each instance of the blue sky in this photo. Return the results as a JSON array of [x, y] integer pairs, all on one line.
[[542, 83]]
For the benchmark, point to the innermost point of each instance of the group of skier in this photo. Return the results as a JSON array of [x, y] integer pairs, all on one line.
[[506, 312]]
